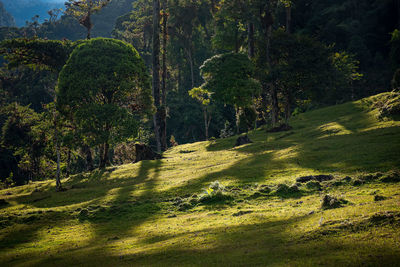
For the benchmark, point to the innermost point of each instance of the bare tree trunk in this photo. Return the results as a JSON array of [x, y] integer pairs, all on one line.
[[191, 63], [268, 22], [58, 174], [104, 160], [268, 45], [205, 121], [163, 119], [58, 180], [274, 104], [237, 120], [156, 70], [68, 172], [89, 25], [250, 38], [89, 159], [288, 18], [236, 37], [288, 103]]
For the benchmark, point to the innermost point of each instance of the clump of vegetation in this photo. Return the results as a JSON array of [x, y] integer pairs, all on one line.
[[215, 193], [388, 105], [379, 198], [285, 190], [172, 141], [391, 177], [387, 217], [358, 182], [313, 185], [264, 189], [331, 202]]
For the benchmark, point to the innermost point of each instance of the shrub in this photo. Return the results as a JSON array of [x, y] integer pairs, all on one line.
[[172, 141], [284, 189], [313, 185], [124, 153], [214, 193], [391, 177], [331, 202]]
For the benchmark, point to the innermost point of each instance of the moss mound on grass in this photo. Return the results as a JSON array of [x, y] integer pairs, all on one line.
[[331, 202]]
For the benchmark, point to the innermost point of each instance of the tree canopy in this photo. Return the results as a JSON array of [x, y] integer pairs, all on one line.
[[103, 88]]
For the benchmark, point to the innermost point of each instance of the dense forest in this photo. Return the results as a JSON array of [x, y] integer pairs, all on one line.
[[214, 68]]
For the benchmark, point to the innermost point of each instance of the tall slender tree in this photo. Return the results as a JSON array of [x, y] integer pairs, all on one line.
[[156, 71], [83, 11], [163, 119]]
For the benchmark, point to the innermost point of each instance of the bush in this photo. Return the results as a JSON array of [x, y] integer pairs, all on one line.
[[124, 153], [227, 131], [172, 141], [331, 202], [284, 189], [391, 177], [396, 80], [214, 193], [313, 185], [247, 119]]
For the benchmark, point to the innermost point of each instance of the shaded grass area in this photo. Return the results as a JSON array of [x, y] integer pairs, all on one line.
[[128, 215]]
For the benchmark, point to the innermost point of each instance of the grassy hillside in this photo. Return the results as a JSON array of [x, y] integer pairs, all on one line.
[[157, 213]]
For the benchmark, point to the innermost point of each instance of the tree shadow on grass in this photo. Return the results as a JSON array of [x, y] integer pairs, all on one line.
[[123, 214], [249, 244]]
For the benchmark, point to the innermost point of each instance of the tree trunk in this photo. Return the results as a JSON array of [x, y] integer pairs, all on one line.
[[236, 37], [68, 171], [274, 104], [58, 175], [156, 70], [288, 18], [191, 63], [268, 45], [266, 16], [89, 159], [288, 107], [237, 120], [104, 160], [58, 179], [206, 123], [250, 38], [89, 25], [163, 119]]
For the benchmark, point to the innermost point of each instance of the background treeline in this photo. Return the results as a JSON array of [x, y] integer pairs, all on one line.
[[303, 54]]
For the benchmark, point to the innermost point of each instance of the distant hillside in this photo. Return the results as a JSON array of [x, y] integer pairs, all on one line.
[[24, 10], [104, 21], [5, 18]]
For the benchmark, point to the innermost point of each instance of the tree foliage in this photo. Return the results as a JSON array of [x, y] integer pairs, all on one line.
[[230, 78], [103, 88]]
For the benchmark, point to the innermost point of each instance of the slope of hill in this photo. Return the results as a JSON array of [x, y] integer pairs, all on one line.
[[158, 213], [24, 10], [6, 20]]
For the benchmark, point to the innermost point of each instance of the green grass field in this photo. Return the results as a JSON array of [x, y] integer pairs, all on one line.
[[154, 213]]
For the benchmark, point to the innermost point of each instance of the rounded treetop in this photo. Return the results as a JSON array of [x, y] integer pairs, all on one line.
[[108, 69]]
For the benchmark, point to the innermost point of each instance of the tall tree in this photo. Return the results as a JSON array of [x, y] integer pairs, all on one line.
[[156, 72], [83, 11], [163, 119], [104, 88], [230, 78]]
